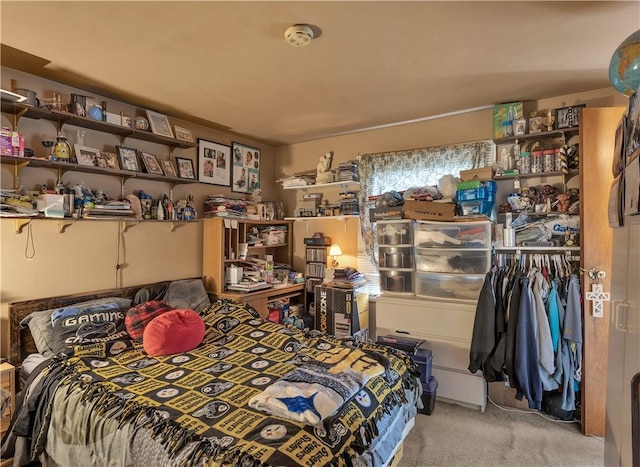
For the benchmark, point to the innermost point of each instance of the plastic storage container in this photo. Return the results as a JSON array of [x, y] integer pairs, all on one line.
[[423, 359], [449, 286], [395, 233], [400, 282], [406, 344], [395, 257], [429, 396], [456, 261], [486, 192], [453, 234]]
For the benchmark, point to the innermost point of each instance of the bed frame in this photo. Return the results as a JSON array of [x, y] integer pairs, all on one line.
[[21, 341]]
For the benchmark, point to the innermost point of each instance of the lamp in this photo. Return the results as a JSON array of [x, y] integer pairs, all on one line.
[[334, 251]]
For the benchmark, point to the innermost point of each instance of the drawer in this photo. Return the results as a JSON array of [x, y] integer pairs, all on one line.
[[453, 261], [426, 320], [449, 286], [395, 257], [395, 233], [401, 282], [453, 234]]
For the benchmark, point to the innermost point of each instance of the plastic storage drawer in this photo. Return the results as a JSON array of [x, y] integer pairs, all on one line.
[[395, 233], [397, 281], [453, 235], [395, 257], [449, 286], [453, 261], [429, 396]]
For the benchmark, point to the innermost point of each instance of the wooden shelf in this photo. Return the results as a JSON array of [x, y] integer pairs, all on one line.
[[315, 218], [346, 185], [543, 134], [571, 173]]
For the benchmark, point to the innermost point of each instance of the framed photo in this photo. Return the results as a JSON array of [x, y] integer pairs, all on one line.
[[185, 168], [214, 163], [159, 124], [151, 163], [183, 134], [568, 117], [245, 168], [535, 124], [168, 168], [108, 160], [86, 155], [128, 158]]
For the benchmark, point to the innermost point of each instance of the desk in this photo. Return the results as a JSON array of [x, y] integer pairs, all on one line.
[[260, 299]]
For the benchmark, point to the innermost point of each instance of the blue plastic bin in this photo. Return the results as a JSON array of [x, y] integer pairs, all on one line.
[[429, 396]]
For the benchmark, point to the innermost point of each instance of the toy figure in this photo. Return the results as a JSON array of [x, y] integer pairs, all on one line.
[[564, 200], [323, 174]]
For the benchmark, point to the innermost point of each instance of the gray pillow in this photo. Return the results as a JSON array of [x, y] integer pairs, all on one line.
[[39, 322], [187, 293]]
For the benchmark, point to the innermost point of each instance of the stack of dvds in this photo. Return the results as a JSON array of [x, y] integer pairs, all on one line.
[[348, 172]]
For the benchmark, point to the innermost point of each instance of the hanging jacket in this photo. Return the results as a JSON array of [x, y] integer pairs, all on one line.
[[483, 339], [512, 325]]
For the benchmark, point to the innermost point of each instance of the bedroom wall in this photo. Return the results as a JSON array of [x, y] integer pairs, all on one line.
[[84, 257]]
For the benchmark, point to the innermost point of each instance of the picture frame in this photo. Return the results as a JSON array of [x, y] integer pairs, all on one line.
[[151, 163], [568, 117], [159, 124], [214, 163], [183, 134], [245, 169], [168, 168], [535, 125], [86, 156], [128, 158], [185, 168], [108, 160]]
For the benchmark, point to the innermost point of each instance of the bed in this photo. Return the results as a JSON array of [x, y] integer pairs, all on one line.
[[240, 397]]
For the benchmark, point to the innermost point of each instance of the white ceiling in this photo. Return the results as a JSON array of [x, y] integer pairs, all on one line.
[[375, 63]]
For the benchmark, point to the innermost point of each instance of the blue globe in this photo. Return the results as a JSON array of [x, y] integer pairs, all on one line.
[[624, 69]]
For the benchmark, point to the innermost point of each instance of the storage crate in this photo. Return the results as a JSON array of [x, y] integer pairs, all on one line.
[[476, 207], [456, 261], [449, 286], [429, 396], [485, 192], [406, 344], [423, 359]]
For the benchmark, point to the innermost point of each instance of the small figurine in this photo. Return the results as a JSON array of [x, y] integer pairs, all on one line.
[[323, 173], [564, 200]]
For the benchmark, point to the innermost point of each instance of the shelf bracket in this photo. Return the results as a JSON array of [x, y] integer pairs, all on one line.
[[63, 224], [16, 118], [177, 224], [20, 224], [126, 225], [17, 167]]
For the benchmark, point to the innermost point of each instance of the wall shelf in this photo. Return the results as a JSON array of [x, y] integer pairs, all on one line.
[[345, 185]]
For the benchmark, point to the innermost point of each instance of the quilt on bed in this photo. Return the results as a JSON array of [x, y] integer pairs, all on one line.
[[201, 398]]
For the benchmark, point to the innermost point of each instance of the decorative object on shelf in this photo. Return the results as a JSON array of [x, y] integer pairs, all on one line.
[[128, 158], [168, 168], [535, 124], [151, 163], [214, 162], [141, 123], [503, 116], [185, 168], [323, 171], [624, 68], [568, 117], [159, 124], [183, 134], [108, 160], [86, 156], [335, 251], [246, 168], [519, 126], [62, 149], [78, 105]]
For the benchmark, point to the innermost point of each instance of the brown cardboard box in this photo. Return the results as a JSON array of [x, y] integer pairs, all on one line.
[[506, 395], [380, 214], [485, 173], [342, 312], [429, 210]]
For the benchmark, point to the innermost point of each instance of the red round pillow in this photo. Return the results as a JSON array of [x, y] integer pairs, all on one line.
[[175, 331]]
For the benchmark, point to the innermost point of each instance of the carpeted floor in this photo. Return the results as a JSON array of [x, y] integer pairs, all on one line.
[[457, 436]]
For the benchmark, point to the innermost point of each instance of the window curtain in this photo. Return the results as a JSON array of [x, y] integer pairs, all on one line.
[[400, 170]]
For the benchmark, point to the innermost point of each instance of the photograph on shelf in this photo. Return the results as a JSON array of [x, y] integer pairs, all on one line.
[[214, 163], [185, 168], [246, 168], [151, 163], [183, 134], [128, 158], [159, 124], [108, 160], [568, 117], [168, 168], [86, 155]]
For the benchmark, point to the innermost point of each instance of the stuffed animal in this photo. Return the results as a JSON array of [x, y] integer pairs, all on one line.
[[564, 200]]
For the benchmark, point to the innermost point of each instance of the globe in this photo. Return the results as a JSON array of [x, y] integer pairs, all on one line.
[[624, 69]]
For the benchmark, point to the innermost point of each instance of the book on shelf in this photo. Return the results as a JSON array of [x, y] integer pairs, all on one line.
[[248, 286]]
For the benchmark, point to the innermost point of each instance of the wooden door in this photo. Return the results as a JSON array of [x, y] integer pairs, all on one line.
[[597, 137]]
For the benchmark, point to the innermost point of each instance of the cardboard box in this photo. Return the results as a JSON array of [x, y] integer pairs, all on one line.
[[503, 394], [429, 210], [505, 114], [484, 173], [381, 214], [342, 312]]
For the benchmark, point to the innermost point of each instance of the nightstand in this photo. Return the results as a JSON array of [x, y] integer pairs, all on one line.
[[7, 382]]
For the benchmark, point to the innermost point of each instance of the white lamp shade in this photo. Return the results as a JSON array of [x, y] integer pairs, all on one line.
[[335, 250]]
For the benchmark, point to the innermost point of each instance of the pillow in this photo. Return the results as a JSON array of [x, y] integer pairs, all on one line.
[[98, 324], [140, 315], [175, 331], [187, 293], [41, 327]]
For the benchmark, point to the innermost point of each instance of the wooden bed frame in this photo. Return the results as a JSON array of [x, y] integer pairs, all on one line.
[[21, 341]]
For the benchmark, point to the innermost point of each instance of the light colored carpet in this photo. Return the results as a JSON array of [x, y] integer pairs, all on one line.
[[457, 436]]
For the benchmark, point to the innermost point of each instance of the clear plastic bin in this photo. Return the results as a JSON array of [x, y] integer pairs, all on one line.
[[395, 233], [453, 234], [395, 257], [449, 286], [400, 282], [453, 261]]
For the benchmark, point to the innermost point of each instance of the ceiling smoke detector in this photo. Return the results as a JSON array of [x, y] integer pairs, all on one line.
[[299, 35]]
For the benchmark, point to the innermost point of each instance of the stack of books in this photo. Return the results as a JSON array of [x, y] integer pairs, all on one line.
[[111, 209], [249, 286], [344, 277], [348, 172]]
